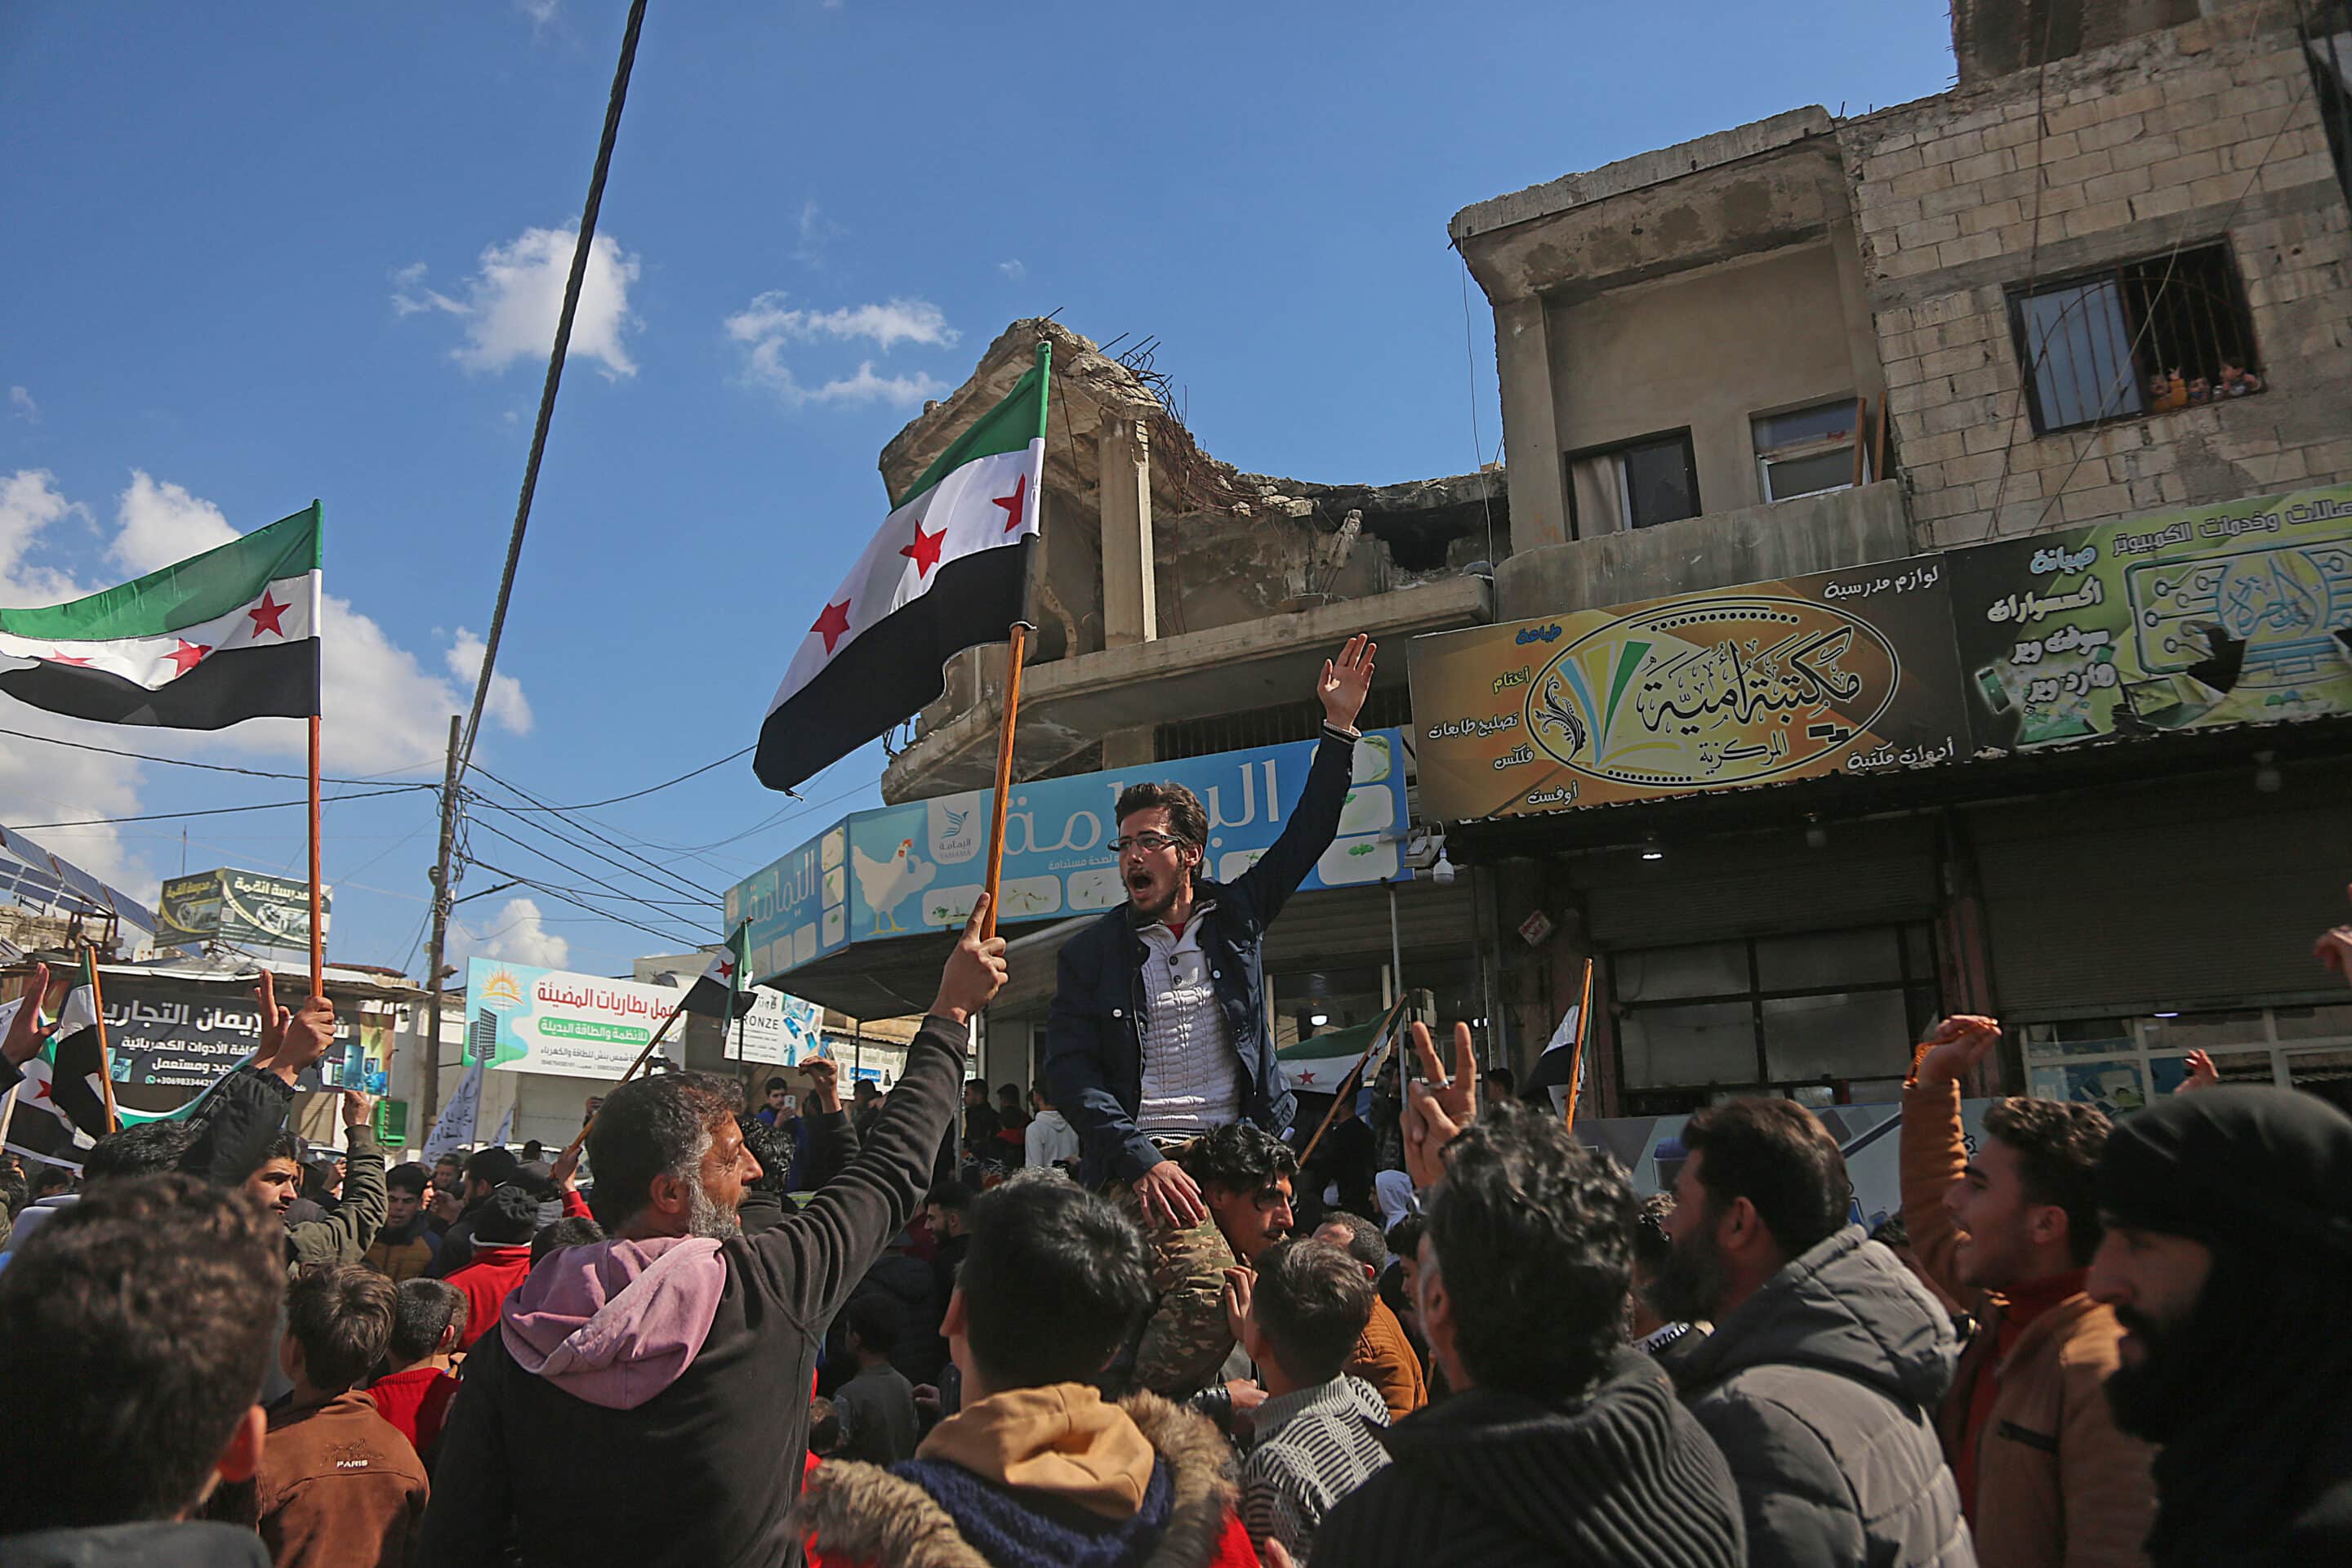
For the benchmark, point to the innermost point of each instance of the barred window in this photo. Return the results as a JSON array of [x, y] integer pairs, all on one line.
[[2144, 338]]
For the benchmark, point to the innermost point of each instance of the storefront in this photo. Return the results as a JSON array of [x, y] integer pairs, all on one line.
[[2095, 782]]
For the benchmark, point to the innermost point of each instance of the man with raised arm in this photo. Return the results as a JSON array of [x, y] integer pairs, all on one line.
[[1158, 1031], [674, 1359]]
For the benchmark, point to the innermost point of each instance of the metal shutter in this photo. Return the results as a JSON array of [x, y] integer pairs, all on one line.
[[1755, 885], [2195, 894]]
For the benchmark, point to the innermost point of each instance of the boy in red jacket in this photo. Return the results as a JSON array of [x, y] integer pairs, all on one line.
[[428, 1322], [1037, 1468], [503, 1228]]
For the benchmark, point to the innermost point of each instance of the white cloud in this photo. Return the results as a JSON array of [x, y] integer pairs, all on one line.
[[30, 505], [767, 329], [21, 405], [510, 307], [506, 702], [158, 524], [1015, 268], [540, 12], [888, 324], [517, 933], [817, 233]]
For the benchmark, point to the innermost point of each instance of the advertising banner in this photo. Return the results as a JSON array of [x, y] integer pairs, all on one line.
[[1838, 672], [779, 1030], [2210, 616], [918, 866], [243, 909], [168, 1034], [575, 1025]]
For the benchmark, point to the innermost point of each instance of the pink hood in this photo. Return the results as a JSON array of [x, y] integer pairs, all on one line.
[[616, 1322]]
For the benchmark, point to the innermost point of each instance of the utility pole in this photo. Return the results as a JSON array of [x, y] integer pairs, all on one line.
[[429, 1092]]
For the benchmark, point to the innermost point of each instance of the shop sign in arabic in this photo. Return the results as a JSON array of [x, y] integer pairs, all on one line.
[[1704, 692], [907, 868], [575, 1025]]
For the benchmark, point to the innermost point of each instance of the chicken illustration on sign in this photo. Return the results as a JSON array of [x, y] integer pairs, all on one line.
[[886, 884]]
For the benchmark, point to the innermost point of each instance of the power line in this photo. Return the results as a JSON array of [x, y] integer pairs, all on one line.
[[622, 893], [580, 901], [218, 810], [210, 767], [584, 242], [639, 794], [659, 872]]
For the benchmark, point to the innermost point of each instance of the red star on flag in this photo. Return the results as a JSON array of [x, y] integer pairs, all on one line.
[[1307, 1077], [1012, 504], [925, 551], [187, 655], [726, 970], [59, 655], [833, 625], [265, 615]]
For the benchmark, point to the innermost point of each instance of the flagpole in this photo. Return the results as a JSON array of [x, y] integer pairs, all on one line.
[[105, 1061], [1015, 657], [1386, 1021], [1004, 774], [1576, 1059], [318, 916], [643, 1056]]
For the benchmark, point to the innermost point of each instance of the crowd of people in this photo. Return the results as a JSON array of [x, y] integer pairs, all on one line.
[[2091, 1342]]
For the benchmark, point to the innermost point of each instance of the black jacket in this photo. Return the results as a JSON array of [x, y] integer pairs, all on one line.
[[1498, 1479], [1094, 1033], [704, 1473], [1820, 1389]]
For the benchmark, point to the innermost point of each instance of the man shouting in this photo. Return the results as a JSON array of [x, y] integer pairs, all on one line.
[[1158, 1031]]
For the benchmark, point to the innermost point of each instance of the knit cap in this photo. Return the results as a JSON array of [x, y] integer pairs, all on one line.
[[2231, 1165]]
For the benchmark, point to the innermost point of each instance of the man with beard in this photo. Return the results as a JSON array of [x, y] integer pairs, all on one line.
[[674, 1359], [2045, 1479], [2228, 1259], [1826, 1357], [1158, 1031]]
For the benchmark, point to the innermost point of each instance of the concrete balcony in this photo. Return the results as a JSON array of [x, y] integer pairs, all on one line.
[[1067, 703], [1717, 549]]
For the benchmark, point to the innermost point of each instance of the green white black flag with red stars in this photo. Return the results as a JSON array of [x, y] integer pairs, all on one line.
[[949, 570], [229, 634]]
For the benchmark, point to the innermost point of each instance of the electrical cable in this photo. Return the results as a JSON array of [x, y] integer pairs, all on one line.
[[213, 767], [583, 244], [650, 789], [659, 872], [217, 810]]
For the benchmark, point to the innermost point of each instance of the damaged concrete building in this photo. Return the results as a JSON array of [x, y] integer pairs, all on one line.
[[2107, 276], [1160, 569]]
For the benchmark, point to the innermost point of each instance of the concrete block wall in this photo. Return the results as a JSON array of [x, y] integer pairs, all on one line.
[[2207, 131]]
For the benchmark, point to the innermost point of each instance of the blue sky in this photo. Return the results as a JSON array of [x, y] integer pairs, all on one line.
[[277, 251]]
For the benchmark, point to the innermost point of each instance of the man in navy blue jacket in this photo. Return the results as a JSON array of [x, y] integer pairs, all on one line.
[[1157, 1030]]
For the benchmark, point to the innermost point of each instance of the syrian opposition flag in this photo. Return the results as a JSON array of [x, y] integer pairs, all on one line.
[[948, 570], [718, 991], [61, 1103], [229, 634], [1319, 1065]]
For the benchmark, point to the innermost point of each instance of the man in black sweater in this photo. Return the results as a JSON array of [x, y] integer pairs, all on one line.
[[674, 1359], [1559, 1444]]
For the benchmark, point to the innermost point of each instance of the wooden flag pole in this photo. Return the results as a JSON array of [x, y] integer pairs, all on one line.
[[643, 1056], [318, 897], [105, 1060], [1004, 774], [1576, 1058], [1386, 1021]]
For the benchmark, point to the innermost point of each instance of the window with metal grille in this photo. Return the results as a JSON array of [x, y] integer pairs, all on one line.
[[2145, 338]]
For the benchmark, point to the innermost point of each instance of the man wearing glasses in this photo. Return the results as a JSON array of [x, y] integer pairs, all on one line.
[[1158, 1032]]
